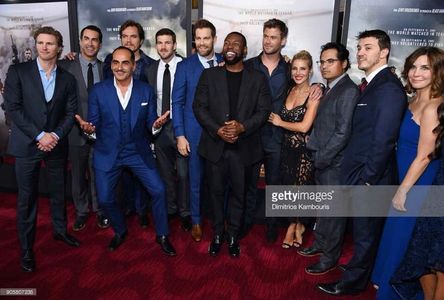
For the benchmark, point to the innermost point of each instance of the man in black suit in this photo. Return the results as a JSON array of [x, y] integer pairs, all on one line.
[[370, 152], [87, 70], [231, 104], [329, 136], [41, 102], [172, 166]]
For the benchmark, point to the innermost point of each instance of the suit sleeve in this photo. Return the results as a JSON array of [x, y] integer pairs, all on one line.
[[94, 108], [343, 119], [65, 125], [201, 106], [179, 95], [152, 107], [14, 104], [391, 104], [262, 109]]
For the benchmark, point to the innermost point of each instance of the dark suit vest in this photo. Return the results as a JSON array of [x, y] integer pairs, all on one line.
[[126, 141]]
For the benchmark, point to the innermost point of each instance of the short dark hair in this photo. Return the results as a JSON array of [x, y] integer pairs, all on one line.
[[93, 28], [166, 31], [380, 35], [244, 40], [343, 53], [203, 23], [133, 56], [49, 30], [276, 23], [132, 23]]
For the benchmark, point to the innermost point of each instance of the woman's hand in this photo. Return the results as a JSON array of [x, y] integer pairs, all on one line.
[[399, 199], [275, 119]]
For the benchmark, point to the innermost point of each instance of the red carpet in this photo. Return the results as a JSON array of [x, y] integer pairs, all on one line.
[[138, 270]]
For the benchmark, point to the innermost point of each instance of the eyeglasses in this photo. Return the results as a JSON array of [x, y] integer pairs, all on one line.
[[327, 62]]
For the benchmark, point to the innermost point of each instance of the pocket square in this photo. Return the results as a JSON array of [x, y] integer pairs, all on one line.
[[362, 104], [144, 103]]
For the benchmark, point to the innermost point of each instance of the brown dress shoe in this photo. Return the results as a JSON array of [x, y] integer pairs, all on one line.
[[196, 232]]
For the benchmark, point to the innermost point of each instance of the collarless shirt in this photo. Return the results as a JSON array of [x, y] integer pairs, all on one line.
[[204, 61], [160, 70], [124, 99], [48, 84], [372, 75], [84, 66]]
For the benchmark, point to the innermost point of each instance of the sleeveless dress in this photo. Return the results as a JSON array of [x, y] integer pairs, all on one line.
[[425, 251], [398, 230], [296, 166]]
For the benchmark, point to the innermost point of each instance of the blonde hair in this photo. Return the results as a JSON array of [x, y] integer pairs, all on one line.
[[303, 55]]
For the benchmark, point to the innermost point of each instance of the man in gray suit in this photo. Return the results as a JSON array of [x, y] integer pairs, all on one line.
[[331, 131], [87, 70]]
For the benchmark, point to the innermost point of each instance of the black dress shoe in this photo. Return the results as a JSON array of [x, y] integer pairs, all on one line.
[[164, 243], [185, 223], [271, 234], [102, 221], [80, 223], [143, 221], [67, 239], [215, 245], [233, 247], [319, 268], [27, 261], [310, 251], [337, 289], [117, 240], [342, 267]]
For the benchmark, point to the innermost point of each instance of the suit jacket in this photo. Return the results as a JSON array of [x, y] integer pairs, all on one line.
[[185, 82], [212, 105], [31, 114], [104, 113], [370, 153], [76, 136], [332, 127]]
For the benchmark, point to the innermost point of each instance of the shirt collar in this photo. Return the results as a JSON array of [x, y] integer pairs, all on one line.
[[372, 75], [130, 86], [334, 82], [85, 62], [41, 68], [171, 63], [204, 60]]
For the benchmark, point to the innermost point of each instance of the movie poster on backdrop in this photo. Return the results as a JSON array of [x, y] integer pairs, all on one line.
[[18, 22], [310, 23], [409, 23], [151, 14]]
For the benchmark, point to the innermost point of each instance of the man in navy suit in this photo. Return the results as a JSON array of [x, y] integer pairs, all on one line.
[[122, 113], [370, 153], [186, 128], [41, 101]]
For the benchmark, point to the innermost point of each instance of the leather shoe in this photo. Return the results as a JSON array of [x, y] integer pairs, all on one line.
[[233, 247], [143, 221], [215, 245], [102, 222], [185, 223], [342, 267], [67, 239], [27, 261], [79, 224], [165, 244], [196, 232], [319, 268], [310, 251], [337, 289], [117, 240]]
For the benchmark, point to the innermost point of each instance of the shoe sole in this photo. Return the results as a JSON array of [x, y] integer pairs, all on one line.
[[320, 273], [78, 228], [310, 255]]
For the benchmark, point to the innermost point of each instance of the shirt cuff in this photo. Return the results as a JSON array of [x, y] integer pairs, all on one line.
[[40, 136], [55, 135], [156, 131]]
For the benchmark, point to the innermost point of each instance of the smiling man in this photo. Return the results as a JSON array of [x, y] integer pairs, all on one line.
[[231, 104]]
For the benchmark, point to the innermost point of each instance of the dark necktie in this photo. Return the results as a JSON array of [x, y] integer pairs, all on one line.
[[211, 63], [166, 89], [363, 85], [326, 90], [90, 77]]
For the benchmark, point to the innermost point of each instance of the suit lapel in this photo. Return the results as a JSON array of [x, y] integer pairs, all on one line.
[[38, 86], [57, 88], [135, 104], [374, 81], [113, 101], [244, 88], [100, 69]]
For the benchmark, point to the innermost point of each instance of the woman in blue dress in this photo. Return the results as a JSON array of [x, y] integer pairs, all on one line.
[[415, 167], [422, 268]]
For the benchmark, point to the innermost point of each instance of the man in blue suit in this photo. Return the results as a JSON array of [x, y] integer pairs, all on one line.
[[370, 153], [122, 113], [186, 128]]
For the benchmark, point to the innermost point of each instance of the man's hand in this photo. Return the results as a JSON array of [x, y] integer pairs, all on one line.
[[161, 120], [87, 127], [2, 87], [233, 129], [183, 146], [221, 133], [70, 56], [47, 142]]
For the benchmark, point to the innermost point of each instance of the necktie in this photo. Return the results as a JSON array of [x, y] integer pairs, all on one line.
[[326, 90], [166, 89], [211, 63], [363, 85], [90, 77]]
